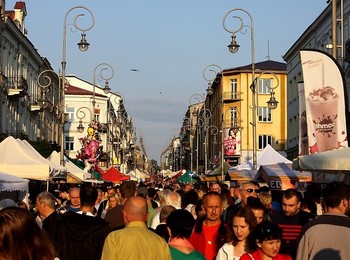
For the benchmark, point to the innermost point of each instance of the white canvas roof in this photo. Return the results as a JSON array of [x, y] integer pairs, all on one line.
[[329, 161], [56, 170], [16, 161], [71, 167], [10, 182], [266, 157]]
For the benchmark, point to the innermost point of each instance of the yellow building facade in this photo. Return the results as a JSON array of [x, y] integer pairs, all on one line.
[[232, 107]]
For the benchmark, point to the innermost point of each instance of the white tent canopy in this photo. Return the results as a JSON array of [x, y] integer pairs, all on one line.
[[71, 167], [326, 166], [266, 157], [10, 182], [132, 176], [328, 161], [56, 170], [16, 161]]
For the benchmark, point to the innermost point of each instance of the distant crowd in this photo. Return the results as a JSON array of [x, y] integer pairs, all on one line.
[[164, 219]]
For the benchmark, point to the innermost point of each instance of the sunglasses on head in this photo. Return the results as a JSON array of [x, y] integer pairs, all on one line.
[[252, 190]]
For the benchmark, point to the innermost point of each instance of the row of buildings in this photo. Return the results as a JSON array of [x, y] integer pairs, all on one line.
[[33, 105], [221, 129]]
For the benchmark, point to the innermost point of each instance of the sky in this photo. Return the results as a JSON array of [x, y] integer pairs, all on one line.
[[169, 42]]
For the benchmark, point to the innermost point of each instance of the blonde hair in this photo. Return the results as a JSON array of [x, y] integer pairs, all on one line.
[[265, 199]]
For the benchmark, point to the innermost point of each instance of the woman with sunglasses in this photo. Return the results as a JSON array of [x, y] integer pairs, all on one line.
[[267, 236], [240, 223]]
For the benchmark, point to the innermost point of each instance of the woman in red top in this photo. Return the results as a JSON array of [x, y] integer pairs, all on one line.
[[267, 236]]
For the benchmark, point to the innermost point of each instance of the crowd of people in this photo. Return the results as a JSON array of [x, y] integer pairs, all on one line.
[[169, 220]]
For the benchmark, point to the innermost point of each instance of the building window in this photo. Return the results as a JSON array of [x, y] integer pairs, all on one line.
[[233, 88], [264, 140], [264, 114], [70, 112], [97, 114], [233, 115], [264, 86], [69, 144]]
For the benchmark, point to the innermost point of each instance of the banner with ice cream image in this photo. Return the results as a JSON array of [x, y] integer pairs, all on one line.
[[324, 102]]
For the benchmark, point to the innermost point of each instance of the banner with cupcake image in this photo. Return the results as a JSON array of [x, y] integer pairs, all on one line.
[[324, 92]]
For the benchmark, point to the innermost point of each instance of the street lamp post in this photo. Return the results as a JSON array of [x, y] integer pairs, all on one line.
[[210, 74], [83, 46], [102, 67], [200, 98], [233, 48], [213, 131], [81, 115]]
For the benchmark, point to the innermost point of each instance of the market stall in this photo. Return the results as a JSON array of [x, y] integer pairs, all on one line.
[[281, 176], [18, 162]]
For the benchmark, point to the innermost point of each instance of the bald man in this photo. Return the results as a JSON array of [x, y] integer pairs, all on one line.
[[135, 241]]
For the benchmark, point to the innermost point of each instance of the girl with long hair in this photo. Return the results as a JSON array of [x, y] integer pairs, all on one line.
[[21, 237], [240, 223]]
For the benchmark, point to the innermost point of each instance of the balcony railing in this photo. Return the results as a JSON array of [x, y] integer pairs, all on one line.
[[231, 96], [16, 85]]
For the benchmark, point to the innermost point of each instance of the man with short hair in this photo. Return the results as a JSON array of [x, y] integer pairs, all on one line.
[[208, 234], [101, 203], [291, 221], [171, 198], [114, 216], [135, 241], [216, 187], [81, 235], [246, 190], [74, 199], [328, 236], [45, 205], [161, 229]]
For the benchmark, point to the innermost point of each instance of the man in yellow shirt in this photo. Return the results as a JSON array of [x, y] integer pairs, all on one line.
[[135, 241]]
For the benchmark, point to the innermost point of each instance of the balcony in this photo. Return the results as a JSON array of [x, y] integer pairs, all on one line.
[[34, 107], [229, 97], [16, 86], [230, 123]]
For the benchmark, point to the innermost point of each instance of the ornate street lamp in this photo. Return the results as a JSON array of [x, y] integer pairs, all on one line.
[[233, 48], [101, 68], [200, 99], [213, 130], [83, 46], [81, 115]]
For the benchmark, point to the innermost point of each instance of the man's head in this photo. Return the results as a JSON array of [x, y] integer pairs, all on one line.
[[216, 187], [74, 197], [336, 198], [63, 193], [142, 190], [180, 224], [88, 196], [212, 206], [188, 187], [152, 193], [174, 199], [248, 189], [135, 209], [111, 191], [127, 190], [165, 212], [45, 204], [99, 196], [291, 200]]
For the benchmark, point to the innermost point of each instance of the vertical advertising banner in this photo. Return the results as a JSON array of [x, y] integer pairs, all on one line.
[[324, 102], [303, 137], [232, 142]]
